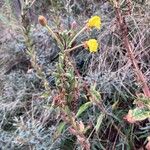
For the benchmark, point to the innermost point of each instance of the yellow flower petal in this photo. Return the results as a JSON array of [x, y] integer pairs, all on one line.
[[92, 45], [94, 21]]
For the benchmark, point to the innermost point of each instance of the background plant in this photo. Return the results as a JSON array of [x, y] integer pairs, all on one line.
[[23, 93]]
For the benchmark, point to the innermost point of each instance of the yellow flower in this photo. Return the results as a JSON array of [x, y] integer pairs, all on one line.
[[92, 45], [94, 21]]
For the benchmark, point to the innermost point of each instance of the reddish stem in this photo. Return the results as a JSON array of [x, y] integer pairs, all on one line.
[[124, 31]]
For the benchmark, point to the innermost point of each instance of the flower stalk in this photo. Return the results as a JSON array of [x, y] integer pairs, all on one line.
[[54, 35], [75, 47], [42, 20], [82, 30]]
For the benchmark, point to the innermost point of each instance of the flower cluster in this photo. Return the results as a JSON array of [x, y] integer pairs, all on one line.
[[91, 44]]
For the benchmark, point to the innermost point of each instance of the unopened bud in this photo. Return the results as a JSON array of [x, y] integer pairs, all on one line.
[[73, 25], [42, 20]]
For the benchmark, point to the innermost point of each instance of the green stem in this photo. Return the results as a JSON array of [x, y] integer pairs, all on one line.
[[71, 49], [54, 35], [83, 29]]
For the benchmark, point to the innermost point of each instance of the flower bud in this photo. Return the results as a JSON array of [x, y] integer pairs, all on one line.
[[73, 25], [42, 20]]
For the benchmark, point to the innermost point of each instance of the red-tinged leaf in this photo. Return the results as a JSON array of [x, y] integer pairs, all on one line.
[[148, 146], [137, 114], [129, 117]]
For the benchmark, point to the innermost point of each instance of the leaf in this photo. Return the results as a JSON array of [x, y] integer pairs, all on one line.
[[68, 75], [99, 121], [114, 105], [95, 94], [46, 94], [142, 101], [83, 108], [137, 114], [148, 144], [59, 129]]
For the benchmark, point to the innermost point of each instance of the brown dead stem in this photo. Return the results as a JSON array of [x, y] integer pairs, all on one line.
[[124, 32]]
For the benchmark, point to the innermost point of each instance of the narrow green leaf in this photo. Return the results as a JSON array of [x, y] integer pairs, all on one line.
[[99, 121], [83, 108], [95, 94], [59, 129]]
